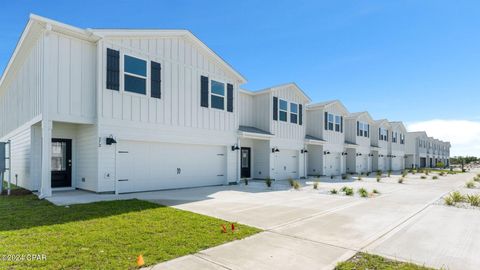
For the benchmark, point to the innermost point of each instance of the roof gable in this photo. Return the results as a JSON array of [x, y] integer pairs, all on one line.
[[284, 86], [359, 115], [329, 104], [399, 125]]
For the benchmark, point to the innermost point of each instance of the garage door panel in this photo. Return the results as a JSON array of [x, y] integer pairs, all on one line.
[[286, 164], [155, 166]]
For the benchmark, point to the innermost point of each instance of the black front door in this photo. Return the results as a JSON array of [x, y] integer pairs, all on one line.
[[61, 163], [245, 162]]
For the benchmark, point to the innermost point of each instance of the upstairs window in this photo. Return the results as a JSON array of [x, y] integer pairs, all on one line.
[[362, 129], [283, 110], [135, 75], [402, 138], [394, 137], [217, 95], [293, 113], [330, 121], [383, 134], [338, 122]]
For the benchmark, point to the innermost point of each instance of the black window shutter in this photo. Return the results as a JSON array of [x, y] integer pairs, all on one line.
[[358, 128], [368, 128], [380, 134], [156, 80], [341, 124], [275, 108], [113, 69], [229, 97], [326, 121], [300, 114], [204, 91]]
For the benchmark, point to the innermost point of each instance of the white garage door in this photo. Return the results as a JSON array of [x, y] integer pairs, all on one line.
[[332, 164], [286, 164], [396, 164], [143, 166], [381, 164], [362, 164]]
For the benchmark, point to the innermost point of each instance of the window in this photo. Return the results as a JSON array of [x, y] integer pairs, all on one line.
[[402, 138], [338, 122], [293, 113], [135, 75], [217, 95], [330, 121], [394, 137], [383, 134], [362, 129], [283, 110]]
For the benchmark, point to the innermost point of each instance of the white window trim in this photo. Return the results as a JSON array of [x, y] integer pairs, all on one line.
[[328, 121], [123, 72], [289, 107], [210, 94], [280, 110]]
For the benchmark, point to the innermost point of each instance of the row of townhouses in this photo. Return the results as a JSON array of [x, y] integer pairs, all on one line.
[[114, 110]]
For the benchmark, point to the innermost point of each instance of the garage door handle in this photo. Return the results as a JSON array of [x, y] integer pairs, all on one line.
[[123, 152], [122, 180], [220, 175]]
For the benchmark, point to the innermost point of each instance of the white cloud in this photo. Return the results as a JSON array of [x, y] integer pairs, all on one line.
[[464, 135]]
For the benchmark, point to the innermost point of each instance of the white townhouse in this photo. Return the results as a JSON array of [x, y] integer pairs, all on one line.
[[416, 149], [357, 142], [325, 138], [120, 110], [396, 146], [380, 145], [272, 132]]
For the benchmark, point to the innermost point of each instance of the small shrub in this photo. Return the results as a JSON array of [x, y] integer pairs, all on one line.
[[414, 172], [344, 189], [268, 181], [476, 179], [434, 177], [389, 173], [359, 178], [333, 191], [290, 181], [470, 184], [457, 197], [349, 191], [473, 200], [440, 165], [315, 185], [361, 173], [246, 181], [464, 170], [344, 176], [332, 176], [379, 173], [427, 172], [400, 180], [478, 175], [448, 200], [368, 173], [404, 174], [379, 178], [410, 170], [423, 177], [363, 192], [375, 191], [296, 185], [441, 173]]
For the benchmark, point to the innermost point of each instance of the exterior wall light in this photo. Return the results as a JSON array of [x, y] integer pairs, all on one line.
[[235, 147], [110, 140], [275, 149], [303, 151]]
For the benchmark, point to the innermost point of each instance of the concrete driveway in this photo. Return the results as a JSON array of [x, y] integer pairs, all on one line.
[[311, 229]]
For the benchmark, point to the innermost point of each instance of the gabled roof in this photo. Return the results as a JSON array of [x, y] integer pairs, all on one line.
[[280, 86], [399, 124], [327, 104], [381, 122], [360, 114], [94, 35]]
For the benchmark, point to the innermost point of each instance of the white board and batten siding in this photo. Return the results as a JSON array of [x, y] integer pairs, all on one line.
[[71, 79], [21, 91], [177, 118]]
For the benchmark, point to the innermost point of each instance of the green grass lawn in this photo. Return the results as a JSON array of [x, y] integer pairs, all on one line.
[[364, 261], [104, 235]]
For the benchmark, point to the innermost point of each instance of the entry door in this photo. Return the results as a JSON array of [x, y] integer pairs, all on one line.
[[61, 163], [245, 162]]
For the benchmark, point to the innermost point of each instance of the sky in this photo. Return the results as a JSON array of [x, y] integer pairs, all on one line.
[[411, 61]]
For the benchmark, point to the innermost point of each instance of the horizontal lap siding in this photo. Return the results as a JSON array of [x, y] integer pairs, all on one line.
[[182, 65], [71, 79], [21, 159], [21, 94]]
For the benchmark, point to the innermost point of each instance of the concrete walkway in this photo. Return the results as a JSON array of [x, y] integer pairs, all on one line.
[[311, 229]]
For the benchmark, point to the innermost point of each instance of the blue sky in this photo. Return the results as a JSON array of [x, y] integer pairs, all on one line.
[[402, 60]]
